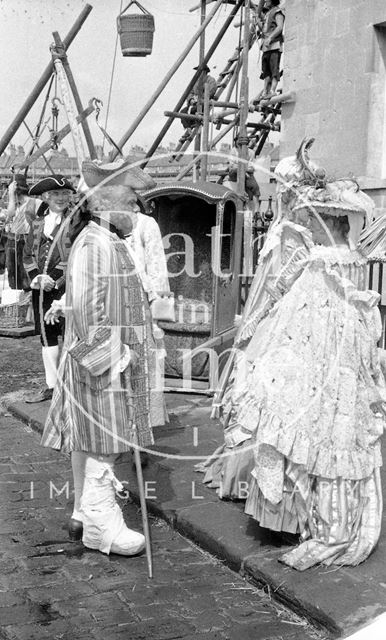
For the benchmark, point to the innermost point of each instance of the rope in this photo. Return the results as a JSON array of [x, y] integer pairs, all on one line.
[[70, 112], [38, 132], [36, 143], [111, 81], [104, 132]]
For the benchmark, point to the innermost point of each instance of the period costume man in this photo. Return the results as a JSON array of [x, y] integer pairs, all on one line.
[[45, 257], [21, 211], [103, 390]]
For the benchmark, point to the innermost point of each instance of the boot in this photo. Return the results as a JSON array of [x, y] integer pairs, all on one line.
[[103, 524]]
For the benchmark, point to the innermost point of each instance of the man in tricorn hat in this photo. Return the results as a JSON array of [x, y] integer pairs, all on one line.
[[102, 390], [45, 257]]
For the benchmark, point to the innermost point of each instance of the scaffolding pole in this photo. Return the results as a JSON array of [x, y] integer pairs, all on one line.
[[191, 84], [30, 101], [165, 81]]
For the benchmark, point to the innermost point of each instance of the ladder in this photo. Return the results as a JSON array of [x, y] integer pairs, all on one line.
[[258, 132]]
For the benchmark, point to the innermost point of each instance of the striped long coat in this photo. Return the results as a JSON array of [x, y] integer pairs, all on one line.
[[94, 405]]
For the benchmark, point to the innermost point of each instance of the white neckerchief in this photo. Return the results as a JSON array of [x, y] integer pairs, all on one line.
[[51, 220]]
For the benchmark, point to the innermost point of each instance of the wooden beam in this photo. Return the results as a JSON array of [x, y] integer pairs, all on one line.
[[205, 134], [197, 6], [244, 112], [223, 133], [165, 81], [184, 172], [30, 101], [181, 116], [60, 135], [208, 56], [200, 96], [282, 97], [60, 52], [38, 147], [225, 105]]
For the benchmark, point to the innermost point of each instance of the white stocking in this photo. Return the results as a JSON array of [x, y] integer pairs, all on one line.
[[78, 462], [103, 524], [50, 360]]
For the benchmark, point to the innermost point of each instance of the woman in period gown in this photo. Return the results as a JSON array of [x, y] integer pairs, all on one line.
[[314, 395], [286, 246], [303, 401]]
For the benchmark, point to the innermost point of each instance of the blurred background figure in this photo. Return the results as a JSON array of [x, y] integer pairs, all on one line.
[[20, 212], [193, 97]]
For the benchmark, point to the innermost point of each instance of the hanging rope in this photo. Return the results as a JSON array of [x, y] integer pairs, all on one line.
[[36, 143], [38, 132], [70, 112], [111, 82], [106, 136]]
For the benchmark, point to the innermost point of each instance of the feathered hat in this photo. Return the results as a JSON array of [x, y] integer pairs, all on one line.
[[306, 187]]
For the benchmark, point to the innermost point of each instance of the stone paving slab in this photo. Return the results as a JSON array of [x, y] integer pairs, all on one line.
[[341, 599], [55, 589]]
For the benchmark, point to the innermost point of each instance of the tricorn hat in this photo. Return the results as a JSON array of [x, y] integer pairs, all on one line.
[[116, 173], [55, 182]]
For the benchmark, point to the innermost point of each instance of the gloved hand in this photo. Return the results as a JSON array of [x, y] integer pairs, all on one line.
[[43, 281]]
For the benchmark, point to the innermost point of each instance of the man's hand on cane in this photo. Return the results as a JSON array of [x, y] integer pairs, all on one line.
[[43, 281]]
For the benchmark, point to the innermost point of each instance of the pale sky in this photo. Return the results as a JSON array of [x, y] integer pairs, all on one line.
[[26, 34]]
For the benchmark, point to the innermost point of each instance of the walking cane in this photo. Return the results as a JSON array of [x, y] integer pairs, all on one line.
[[142, 500]]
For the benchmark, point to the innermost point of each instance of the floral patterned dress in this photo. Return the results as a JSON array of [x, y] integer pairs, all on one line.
[[312, 402], [228, 469]]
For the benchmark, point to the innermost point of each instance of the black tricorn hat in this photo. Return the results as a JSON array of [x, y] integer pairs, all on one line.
[[55, 182]]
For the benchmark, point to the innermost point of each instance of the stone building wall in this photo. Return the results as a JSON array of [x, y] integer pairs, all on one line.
[[335, 62]]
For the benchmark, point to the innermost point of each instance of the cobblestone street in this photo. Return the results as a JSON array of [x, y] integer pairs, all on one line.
[[51, 588]]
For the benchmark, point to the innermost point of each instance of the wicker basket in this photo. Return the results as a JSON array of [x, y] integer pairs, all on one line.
[[136, 32], [14, 315]]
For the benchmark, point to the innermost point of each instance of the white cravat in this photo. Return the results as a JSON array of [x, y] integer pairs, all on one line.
[[51, 220]]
